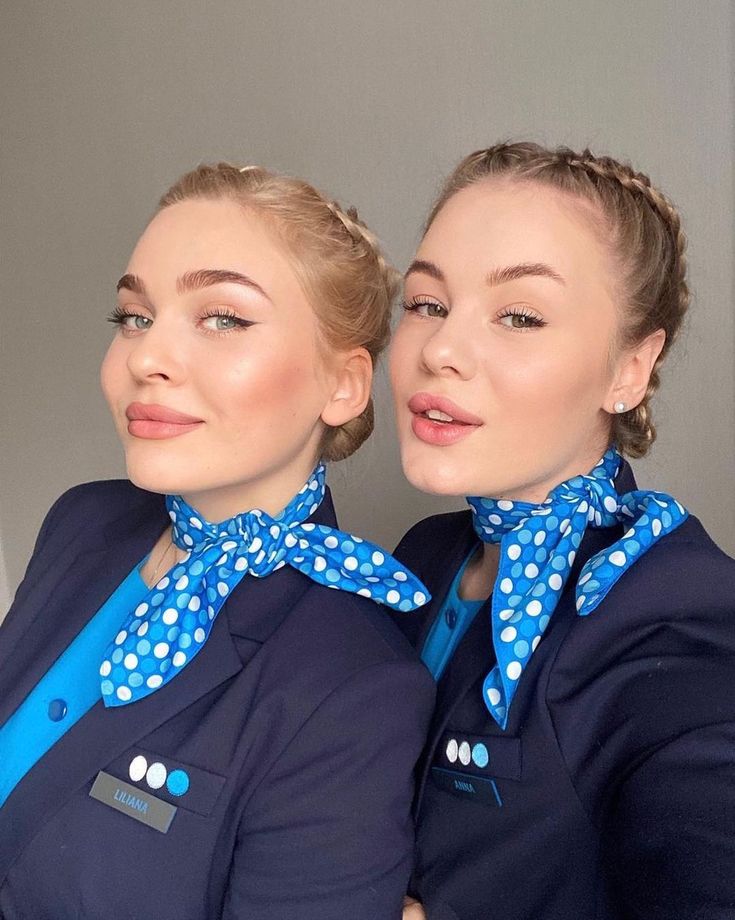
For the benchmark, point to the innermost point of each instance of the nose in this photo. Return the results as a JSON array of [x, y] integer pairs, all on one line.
[[448, 351], [153, 355]]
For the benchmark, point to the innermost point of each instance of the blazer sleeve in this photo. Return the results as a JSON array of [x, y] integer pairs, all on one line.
[[328, 833], [644, 704], [671, 844]]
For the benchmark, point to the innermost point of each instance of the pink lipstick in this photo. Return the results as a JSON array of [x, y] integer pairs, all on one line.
[[439, 421], [156, 422]]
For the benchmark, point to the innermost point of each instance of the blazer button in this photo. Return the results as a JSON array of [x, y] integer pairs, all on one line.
[[451, 617], [57, 709]]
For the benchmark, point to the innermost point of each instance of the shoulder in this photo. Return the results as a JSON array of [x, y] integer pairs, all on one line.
[[109, 495], [85, 512], [343, 633], [97, 503], [330, 641], [684, 575]]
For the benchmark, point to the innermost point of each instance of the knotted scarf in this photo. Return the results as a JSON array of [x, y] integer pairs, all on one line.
[[538, 545], [172, 623]]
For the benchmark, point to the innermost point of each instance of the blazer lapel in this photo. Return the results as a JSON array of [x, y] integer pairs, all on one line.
[[472, 659], [475, 655], [101, 734], [254, 611]]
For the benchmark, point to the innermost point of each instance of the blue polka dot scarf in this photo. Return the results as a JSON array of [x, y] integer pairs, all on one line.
[[171, 624], [538, 544]]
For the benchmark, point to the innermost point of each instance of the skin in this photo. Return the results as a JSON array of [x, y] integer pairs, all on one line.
[[263, 392], [533, 358]]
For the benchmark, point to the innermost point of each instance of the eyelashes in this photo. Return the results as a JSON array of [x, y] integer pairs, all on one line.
[[519, 318], [119, 317], [424, 307], [226, 321]]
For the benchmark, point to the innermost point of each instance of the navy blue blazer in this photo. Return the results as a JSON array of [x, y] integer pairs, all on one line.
[[612, 792], [299, 723]]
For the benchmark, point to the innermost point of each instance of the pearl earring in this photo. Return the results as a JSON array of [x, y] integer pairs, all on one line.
[[620, 407]]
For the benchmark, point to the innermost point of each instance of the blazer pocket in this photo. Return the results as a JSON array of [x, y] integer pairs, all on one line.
[[181, 784]]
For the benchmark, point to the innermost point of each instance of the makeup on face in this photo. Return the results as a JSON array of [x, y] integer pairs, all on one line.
[[437, 420], [158, 422], [216, 378], [501, 361]]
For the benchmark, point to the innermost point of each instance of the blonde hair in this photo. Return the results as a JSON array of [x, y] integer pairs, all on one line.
[[338, 261], [643, 229]]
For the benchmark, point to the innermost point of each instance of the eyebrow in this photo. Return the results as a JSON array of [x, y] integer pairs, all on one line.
[[494, 277], [194, 281], [425, 268], [131, 283], [523, 270]]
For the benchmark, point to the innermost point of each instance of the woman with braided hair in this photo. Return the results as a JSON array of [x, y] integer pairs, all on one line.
[[581, 759], [192, 724]]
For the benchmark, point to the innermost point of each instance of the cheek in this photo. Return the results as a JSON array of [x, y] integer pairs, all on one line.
[[564, 377], [113, 371], [271, 385], [403, 355]]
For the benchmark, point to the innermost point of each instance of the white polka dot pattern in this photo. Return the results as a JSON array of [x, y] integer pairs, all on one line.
[[174, 620], [538, 545]]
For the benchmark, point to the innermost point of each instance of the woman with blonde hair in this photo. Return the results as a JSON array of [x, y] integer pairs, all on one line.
[[580, 763], [192, 724]]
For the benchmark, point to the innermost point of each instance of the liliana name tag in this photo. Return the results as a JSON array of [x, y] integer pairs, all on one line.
[[133, 802]]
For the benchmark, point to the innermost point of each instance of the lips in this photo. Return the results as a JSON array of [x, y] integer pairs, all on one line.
[[152, 421], [439, 421]]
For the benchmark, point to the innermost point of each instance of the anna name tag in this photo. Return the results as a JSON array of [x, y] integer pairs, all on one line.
[[133, 802]]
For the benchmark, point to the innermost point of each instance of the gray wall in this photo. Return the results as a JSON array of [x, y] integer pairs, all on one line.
[[105, 103]]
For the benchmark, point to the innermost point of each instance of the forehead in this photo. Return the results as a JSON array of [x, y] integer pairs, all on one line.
[[202, 234], [495, 223]]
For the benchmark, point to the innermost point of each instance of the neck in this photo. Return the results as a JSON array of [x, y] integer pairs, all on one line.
[[480, 574], [270, 494], [536, 492]]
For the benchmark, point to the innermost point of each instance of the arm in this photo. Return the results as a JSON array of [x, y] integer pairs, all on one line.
[[671, 838], [328, 834]]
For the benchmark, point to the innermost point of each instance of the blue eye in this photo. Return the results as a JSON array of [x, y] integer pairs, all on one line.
[[225, 321], [128, 321], [220, 324], [424, 307]]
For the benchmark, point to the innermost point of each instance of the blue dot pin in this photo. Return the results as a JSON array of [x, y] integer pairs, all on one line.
[[177, 782], [480, 756]]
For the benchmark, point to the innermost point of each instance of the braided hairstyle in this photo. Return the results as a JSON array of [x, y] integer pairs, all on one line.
[[338, 261], [641, 227]]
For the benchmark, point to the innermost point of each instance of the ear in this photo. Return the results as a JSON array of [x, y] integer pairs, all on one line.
[[634, 371], [353, 378]]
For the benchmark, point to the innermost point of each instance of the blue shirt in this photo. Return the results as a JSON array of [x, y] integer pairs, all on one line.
[[67, 691], [450, 625]]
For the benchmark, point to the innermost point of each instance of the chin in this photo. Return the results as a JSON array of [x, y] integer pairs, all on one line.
[[156, 475], [435, 478]]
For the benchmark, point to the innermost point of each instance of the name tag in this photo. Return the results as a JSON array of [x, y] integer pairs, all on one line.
[[133, 802], [467, 786]]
